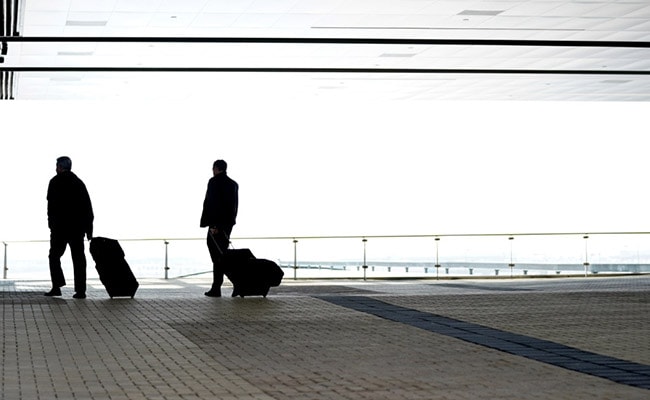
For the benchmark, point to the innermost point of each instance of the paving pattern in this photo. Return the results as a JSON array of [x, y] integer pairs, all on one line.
[[553, 338]]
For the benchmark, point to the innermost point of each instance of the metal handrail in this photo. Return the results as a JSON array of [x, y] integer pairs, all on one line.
[[399, 236], [364, 238]]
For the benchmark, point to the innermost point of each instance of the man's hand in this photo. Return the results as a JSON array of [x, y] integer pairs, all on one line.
[[214, 230]]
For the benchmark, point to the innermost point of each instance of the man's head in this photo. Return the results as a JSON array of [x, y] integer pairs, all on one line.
[[219, 166], [63, 164]]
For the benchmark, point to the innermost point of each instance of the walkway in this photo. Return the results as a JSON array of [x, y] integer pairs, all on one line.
[[553, 338]]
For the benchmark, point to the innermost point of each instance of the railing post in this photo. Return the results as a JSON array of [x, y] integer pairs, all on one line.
[[437, 263], [166, 260], [512, 264], [5, 269], [295, 259], [365, 265], [586, 263]]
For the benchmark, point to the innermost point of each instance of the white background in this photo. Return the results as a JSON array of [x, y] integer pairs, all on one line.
[[333, 168]]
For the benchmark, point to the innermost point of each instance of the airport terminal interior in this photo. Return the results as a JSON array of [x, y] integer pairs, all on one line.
[[571, 335]]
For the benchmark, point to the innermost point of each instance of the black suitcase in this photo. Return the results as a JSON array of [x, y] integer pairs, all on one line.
[[250, 276], [114, 272]]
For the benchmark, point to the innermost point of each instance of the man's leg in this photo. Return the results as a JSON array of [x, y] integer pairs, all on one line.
[[79, 264], [223, 239], [217, 270], [57, 248]]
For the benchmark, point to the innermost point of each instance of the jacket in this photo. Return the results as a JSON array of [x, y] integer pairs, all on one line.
[[68, 205], [221, 202]]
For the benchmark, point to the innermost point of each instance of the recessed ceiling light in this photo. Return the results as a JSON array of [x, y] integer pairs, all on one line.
[[75, 53], [65, 78], [397, 55], [85, 23], [481, 12]]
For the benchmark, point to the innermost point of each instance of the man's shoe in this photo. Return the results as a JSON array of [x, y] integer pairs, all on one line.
[[213, 293], [79, 296], [54, 292]]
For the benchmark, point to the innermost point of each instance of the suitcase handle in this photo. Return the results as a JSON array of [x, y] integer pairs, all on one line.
[[217, 244]]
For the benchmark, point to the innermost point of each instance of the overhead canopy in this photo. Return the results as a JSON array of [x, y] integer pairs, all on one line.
[[420, 50]]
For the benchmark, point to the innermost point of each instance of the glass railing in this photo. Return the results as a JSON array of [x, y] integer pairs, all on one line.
[[398, 256]]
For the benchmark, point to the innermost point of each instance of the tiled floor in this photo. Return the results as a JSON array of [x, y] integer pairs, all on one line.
[[553, 338]]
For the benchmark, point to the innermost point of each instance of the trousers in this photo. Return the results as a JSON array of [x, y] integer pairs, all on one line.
[[58, 243], [222, 240]]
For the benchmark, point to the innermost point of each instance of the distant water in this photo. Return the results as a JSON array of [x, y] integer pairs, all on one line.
[[37, 269]]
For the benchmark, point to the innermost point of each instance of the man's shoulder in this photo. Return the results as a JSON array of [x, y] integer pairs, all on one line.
[[77, 181], [59, 179], [224, 179]]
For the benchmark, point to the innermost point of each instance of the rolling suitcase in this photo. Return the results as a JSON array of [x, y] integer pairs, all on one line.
[[250, 276], [114, 272], [253, 276]]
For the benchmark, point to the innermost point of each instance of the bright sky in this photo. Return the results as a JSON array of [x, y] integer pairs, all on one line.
[[333, 168]]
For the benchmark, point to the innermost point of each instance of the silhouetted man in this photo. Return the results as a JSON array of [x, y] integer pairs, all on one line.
[[219, 214], [70, 217]]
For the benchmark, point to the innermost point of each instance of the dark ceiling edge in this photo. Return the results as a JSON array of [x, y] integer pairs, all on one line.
[[441, 42], [328, 70]]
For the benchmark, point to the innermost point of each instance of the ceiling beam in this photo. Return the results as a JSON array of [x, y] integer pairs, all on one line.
[[386, 41], [329, 70]]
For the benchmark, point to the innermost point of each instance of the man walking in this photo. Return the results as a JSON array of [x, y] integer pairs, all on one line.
[[70, 217], [219, 215]]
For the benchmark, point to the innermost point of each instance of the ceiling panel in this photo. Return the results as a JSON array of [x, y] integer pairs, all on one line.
[[412, 19]]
